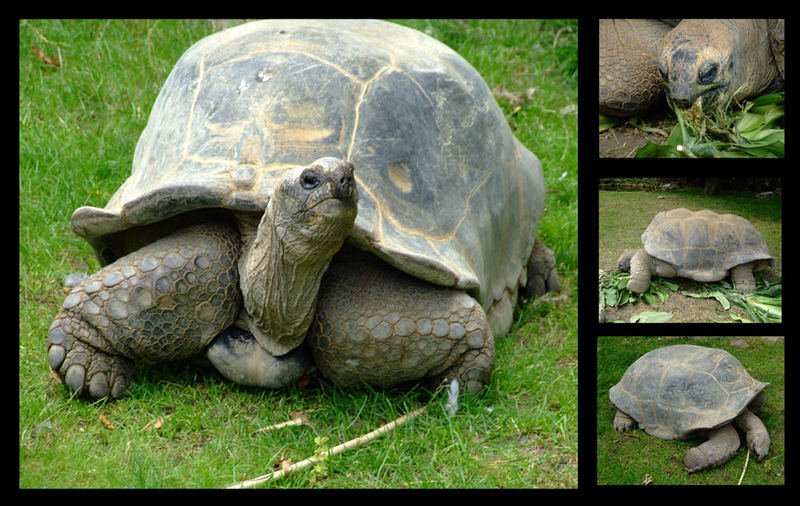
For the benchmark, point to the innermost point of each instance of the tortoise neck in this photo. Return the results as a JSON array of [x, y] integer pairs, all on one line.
[[279, 284]]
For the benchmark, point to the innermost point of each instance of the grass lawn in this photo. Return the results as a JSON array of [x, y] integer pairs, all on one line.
[[635, 457], [624, 215], [86, 88]]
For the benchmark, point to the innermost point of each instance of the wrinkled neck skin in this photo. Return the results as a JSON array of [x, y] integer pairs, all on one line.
[[281, 271], [754, 73]]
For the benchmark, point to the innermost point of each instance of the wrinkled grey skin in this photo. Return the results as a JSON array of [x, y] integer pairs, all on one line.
[[717, 61]]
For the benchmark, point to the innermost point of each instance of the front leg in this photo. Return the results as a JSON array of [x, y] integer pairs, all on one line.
[[641, 271], [756, 433], [381, 326], [743, 277], [721, 446], [623, 422], [164, 301]]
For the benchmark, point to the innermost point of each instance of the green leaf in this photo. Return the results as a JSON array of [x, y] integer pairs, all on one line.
[[651, 317], [653, 150], [672, 286], [607, 122], [756, 130], [721, 298], [771, 98], [650, 299]]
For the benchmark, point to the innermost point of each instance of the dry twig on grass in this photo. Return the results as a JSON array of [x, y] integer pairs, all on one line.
[[353, 443]]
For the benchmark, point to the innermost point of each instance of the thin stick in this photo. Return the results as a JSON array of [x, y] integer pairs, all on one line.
[[353, 443], [746, 459], [296, 421]]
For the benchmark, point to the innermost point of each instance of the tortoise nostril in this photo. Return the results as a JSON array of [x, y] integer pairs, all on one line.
[[346, 180]]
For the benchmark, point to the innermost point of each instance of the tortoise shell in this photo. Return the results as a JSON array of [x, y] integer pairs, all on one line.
[[446, 192], [674, 391], [703, 245]]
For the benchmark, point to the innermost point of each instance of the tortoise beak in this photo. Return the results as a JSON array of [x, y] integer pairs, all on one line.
[[344, 185]]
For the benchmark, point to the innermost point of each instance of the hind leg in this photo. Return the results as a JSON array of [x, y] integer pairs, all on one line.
[[164, 301], [542, 274], [378, 325], [743, 277], [623, 422]]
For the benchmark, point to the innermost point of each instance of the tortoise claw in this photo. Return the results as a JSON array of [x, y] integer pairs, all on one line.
[[85, 370]]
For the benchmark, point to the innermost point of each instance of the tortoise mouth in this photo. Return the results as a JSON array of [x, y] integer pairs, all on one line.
[[324, 216], [331, 204], [708, 99]]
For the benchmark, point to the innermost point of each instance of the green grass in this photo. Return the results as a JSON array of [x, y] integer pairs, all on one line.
[[79, 123], [628, 458]]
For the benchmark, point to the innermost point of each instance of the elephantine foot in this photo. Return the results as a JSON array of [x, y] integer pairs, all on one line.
[[542, 275], [623, 422], [641, 270], [743, 277], [755, 434], [84, 369], [164, 301]]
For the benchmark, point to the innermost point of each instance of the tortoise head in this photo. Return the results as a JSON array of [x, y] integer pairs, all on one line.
[[624, 260], [715, 61], [314, 207], [698, 61]]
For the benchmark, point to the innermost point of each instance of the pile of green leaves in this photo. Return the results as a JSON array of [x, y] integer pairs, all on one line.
[[765, 305], [754, 131], [613, 293]]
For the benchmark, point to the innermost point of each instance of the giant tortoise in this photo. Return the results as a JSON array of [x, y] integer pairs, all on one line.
[[702, 245], [351, 185], [686, 392], [714, 61]]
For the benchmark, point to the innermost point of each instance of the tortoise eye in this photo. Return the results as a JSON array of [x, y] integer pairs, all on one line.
[[309, 180], [707, 74]]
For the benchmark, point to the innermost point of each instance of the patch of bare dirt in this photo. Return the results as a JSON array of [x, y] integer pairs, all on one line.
[[622, 141]]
